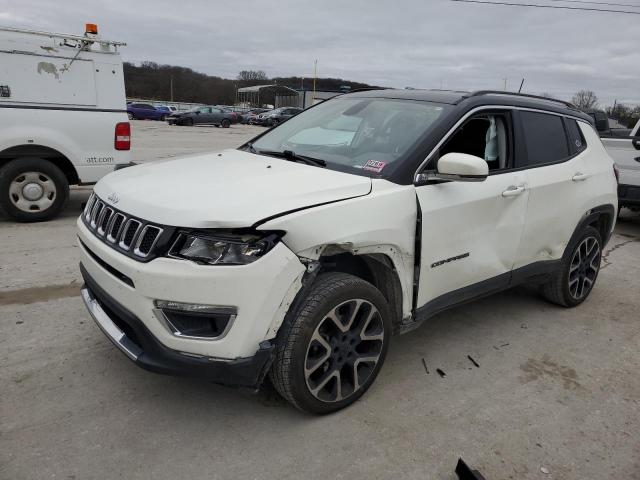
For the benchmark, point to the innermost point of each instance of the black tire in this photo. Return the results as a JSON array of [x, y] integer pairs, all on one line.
[[567, 286], [12, 171], [131, 116], [163, 118], [295, 343], [225, 123]]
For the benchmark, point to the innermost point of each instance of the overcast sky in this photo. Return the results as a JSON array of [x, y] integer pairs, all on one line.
[[395, 43]]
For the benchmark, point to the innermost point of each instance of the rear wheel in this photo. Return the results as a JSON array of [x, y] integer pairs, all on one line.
[[225, 123], [32, 189], [572, 283], [331, 350]]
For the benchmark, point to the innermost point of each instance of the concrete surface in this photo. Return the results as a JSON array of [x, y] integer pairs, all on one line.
[[555, 389]]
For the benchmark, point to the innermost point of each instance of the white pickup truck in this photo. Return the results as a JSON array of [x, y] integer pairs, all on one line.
[[623, 146], [63, 118]]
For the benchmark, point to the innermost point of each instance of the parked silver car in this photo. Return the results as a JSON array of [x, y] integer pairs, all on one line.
[[210, 115]]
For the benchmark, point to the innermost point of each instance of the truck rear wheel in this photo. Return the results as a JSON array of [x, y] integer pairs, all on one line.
[[32, 189]]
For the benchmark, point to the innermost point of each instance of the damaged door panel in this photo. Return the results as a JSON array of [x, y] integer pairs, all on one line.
[[470, 232]]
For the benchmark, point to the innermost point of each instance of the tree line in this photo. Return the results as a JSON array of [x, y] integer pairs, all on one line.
[[587, 101], [153, 81]]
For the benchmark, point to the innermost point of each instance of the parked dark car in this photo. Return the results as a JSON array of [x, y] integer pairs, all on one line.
[[252, 114], [282, 114], [203, 115], [261, 118], [145, 111]]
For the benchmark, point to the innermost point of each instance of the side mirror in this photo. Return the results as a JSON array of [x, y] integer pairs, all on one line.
[[460, 167]]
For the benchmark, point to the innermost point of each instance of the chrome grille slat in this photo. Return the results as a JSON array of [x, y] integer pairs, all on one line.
[[144, 250], [115, 228], [129, 226], [89, 207], [135, 238], [96, 213], [103, 221]]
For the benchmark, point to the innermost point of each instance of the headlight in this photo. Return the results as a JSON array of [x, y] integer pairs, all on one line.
[[223, 249]]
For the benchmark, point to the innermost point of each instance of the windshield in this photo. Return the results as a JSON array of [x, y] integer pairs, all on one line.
[[361, 135]]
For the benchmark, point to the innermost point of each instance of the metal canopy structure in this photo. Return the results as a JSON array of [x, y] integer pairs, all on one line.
[[260, 95]]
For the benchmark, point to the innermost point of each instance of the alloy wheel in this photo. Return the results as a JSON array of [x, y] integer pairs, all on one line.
[[584, 267], [344, 350], [32, 191]]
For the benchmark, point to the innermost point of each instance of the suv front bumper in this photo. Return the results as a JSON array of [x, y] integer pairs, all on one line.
[[259, 292], [130, 335]]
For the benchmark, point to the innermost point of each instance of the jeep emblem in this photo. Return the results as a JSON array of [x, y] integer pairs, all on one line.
[[113, 198]]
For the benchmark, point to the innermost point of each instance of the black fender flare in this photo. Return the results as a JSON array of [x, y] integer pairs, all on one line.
[[592, 216]]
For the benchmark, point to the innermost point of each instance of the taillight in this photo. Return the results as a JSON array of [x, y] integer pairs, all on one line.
[[123, 136], [616, 172]]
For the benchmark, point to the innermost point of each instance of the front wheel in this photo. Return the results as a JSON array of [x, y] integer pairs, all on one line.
[[225, 123], [32, 189], [331, 349], [572, 283]]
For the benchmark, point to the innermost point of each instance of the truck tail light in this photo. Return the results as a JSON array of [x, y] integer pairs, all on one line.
[[616, 172], [123, 136]]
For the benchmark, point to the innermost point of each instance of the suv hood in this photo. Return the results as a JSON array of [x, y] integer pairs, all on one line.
[[232, 189]]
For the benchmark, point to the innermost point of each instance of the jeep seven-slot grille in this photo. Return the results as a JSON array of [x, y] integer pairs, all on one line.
[[132, 236]]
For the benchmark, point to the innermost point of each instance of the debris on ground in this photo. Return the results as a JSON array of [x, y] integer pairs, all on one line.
[[473, 361], [424, 362], [465, 473]]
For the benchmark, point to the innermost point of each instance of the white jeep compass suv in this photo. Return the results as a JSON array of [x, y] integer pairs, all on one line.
[[301, 253]]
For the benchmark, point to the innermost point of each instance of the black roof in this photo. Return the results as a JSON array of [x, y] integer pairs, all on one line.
[[478, 98]]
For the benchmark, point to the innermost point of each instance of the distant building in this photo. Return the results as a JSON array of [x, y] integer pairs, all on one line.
[[281, 96]]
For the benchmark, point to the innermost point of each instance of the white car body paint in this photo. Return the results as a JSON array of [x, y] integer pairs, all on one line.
[[66, 104], [470, 231], [471, 218], [382, 222], [253, 188]]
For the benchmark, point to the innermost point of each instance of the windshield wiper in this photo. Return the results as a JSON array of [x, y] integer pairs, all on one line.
[[291, 156]]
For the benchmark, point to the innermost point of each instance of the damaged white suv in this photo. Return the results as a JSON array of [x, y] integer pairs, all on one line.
[[299, 255]]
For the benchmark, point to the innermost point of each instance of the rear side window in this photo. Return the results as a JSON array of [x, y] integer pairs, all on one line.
[[576, 139], [545, 139]]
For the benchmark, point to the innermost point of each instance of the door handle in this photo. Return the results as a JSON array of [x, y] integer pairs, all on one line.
[[579, 177], [512, 191]]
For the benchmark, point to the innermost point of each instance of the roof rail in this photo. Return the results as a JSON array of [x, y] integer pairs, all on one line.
[[525, 95], [367, 89], [63, 36], [448, 90]]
